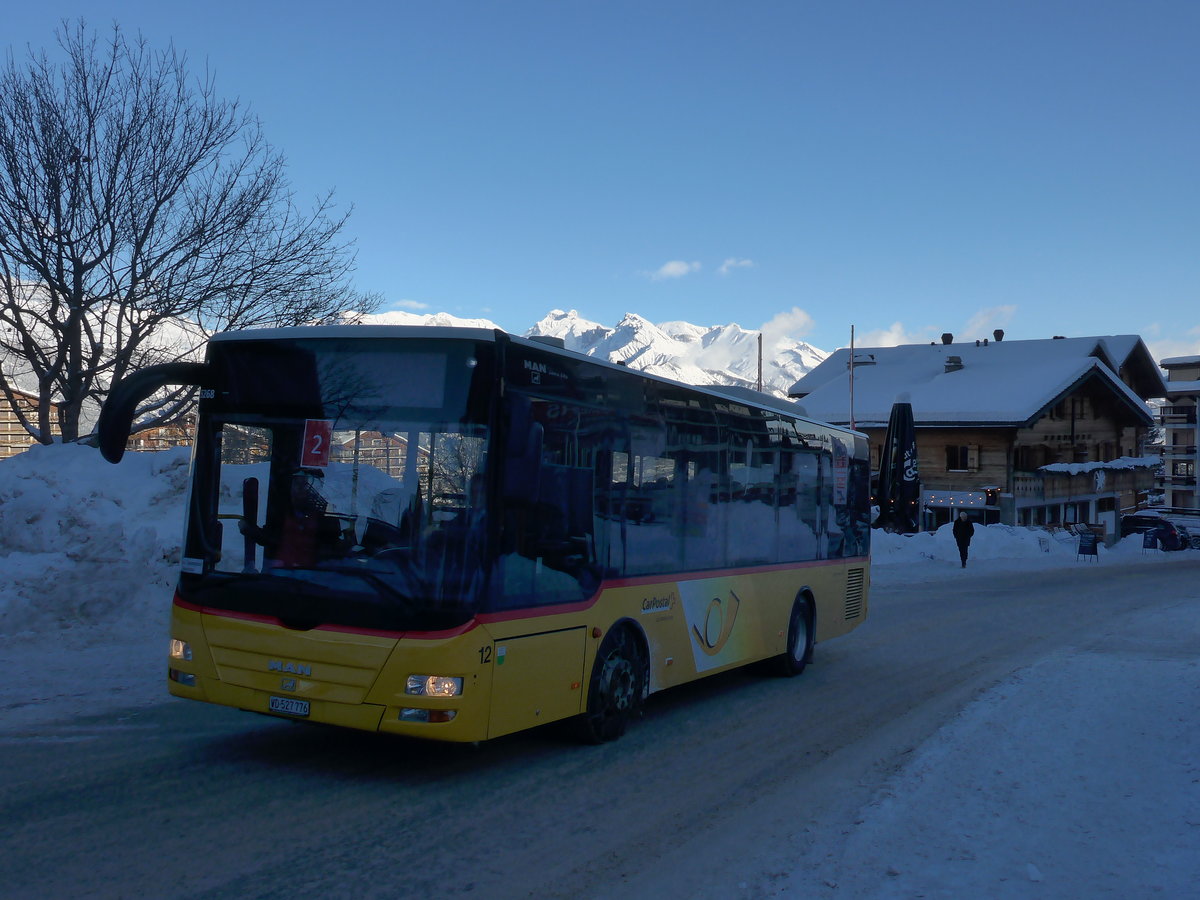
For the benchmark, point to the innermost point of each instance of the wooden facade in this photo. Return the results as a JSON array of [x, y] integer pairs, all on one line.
[[1044, 432], [998, 472], [177, 434]]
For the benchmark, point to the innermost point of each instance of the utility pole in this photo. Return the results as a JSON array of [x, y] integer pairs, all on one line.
[[760, 362], [852, 376]]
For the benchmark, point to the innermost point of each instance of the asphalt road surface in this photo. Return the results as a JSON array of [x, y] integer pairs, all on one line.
[[714, 793]]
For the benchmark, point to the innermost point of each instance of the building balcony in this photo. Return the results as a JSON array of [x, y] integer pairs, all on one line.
[[1050, 486], [1177, 415]]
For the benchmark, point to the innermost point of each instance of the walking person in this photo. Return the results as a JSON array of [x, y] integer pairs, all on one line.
[[963, 532]]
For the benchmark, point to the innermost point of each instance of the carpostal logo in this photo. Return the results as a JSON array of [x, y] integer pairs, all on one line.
[[718, 624], [711, 607], [651, 605]]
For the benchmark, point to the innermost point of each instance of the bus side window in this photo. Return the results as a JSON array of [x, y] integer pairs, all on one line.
[[804, 524], [752, 476], [650, 511], [547, 537]]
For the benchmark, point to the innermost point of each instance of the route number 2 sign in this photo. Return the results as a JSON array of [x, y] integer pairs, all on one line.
[[318, 434]]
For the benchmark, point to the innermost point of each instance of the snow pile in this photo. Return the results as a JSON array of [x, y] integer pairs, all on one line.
[[85, 545], [993, 547], [990, 542]]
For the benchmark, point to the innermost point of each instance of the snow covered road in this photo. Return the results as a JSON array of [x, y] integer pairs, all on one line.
[[990, 733]]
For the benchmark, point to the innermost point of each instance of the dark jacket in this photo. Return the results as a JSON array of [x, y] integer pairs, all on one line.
[[963, 531]]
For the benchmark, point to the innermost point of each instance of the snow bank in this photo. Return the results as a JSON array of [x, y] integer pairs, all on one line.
[[934, 555], [88, 548], [989, 542]]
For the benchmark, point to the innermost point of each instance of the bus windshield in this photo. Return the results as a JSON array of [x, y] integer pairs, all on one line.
[[363, 507]]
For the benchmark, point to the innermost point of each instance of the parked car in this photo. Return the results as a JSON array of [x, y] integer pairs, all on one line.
[[1167, 533], [1189, 539], [1138, 523]]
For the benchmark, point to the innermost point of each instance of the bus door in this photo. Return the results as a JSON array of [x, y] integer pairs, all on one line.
[[536, 678]]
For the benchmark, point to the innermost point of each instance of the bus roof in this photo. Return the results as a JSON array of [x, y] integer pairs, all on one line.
[[441, 332]]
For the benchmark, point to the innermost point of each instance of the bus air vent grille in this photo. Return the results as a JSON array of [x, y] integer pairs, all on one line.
[[854, 593]]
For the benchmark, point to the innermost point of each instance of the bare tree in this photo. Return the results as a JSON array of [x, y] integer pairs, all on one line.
[[139, 213]]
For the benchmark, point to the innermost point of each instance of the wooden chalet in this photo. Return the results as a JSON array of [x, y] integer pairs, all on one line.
[[1038, 432]]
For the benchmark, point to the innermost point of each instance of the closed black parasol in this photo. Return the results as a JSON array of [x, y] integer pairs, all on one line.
[[899, 481]]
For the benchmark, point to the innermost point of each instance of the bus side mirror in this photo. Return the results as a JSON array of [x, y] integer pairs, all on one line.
[[116, 417]]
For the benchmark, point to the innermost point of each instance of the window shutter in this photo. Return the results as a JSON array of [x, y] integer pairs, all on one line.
[[973, 457]]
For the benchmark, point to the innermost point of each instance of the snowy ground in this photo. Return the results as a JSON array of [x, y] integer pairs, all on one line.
[[90, 551], [1075, 777]]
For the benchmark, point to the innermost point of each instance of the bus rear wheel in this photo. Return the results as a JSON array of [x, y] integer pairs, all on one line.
[[616, 688], [799, 641]]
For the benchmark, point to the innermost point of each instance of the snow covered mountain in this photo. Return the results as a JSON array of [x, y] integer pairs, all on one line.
[[721, 354]]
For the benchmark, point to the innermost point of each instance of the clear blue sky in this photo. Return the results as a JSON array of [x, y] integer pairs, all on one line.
[[903, 167]]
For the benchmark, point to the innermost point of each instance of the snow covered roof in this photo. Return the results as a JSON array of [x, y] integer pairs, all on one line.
[[1124, 462], [992, 383], [1177, 389]]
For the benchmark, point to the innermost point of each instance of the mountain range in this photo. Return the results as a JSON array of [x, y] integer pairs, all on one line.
[[693, 354]]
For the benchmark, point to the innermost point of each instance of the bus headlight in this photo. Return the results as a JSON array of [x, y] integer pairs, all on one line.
[[434, 686], [180, 649]]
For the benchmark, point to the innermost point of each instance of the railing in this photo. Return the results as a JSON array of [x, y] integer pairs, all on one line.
[[1187, 413], [1171, 511], [1059, 485]]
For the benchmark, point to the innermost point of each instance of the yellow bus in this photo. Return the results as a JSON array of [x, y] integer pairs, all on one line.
[[458, 534]]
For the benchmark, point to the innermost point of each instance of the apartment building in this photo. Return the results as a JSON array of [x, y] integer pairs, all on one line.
[[14, 438], [1177, 416]]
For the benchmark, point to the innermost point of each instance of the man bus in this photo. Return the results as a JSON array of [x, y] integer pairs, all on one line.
[[456, 533]]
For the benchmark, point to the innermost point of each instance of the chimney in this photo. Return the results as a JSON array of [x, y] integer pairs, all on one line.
[[998, 334], [947, 338], [953, 363]]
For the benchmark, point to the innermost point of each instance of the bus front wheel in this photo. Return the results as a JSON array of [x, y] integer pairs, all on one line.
[[799, 640], [616, 688]]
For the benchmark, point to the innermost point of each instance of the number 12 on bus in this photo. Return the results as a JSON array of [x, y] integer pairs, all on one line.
[[457, 533]]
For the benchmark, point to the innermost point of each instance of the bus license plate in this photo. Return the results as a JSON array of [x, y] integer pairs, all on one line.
[[289, 706]]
